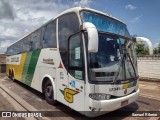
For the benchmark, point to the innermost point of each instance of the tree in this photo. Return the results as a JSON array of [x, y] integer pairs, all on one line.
[[157, 50], [141, 49], [146, 50]]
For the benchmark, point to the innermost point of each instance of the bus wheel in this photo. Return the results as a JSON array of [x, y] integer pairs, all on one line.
[[49, 93], [12, 77], [9, 74]]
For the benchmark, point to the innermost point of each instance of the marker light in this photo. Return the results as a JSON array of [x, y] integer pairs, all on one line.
[[99, 96]]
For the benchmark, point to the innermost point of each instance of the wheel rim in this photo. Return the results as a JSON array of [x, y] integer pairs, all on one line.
[[49, 91]]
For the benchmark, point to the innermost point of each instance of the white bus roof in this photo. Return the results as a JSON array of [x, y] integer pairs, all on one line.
[[77, 9], [74, 9]]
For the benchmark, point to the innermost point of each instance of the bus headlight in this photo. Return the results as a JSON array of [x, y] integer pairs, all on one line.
[[99, 96]]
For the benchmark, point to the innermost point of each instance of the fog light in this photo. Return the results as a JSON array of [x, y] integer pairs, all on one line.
[[92, 109]]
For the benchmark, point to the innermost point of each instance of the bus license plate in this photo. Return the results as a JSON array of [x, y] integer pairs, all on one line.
[[124, 103]]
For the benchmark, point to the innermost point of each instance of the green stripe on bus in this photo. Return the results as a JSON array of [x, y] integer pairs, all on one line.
[[32, 66], [26, 64]]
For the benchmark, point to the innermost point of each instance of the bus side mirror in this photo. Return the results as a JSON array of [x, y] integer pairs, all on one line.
[[129, 44], [92, 36], [134, 39]]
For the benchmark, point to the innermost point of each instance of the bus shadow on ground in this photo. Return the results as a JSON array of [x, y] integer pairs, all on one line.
[[33, 91], [65, 111], [114, 115]]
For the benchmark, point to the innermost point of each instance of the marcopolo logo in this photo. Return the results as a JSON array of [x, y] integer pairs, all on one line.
[[48, 61]]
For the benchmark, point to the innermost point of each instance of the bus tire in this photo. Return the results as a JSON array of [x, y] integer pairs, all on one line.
[[49, 93], [12, 76], [9, 74]]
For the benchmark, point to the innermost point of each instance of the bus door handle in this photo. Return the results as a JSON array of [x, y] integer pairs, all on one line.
[[64, 85], [78, 90]]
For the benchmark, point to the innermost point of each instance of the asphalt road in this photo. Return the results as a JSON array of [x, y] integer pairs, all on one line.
[[37, 100]]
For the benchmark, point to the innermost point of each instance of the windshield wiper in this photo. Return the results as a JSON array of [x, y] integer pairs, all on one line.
[[122, 64], [119, 67], [132, 65]]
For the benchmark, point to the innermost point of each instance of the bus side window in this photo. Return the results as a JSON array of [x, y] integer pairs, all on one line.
[[10, 50], [26, 44], [49, 38], [35, 40], [76, 57], [18, 47], [68, 24]]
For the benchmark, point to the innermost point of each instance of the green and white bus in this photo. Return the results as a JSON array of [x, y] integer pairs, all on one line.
[[82, 58]]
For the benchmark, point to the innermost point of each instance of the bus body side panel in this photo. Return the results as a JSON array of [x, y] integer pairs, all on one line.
[[46, 66], [30, 67], [15, 63], [26, 65]]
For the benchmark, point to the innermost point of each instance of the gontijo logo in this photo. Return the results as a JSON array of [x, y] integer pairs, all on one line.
[[68, 94]]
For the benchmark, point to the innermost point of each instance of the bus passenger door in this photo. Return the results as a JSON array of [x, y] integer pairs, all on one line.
[[75, 95]]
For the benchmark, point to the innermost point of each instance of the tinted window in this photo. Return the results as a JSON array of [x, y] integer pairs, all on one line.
[[18, 47], [15, 49], [35, 40], [26, 44], [104, 23], [45, 36], [49, 38], [10, 50], [68, 24], [76, 57]]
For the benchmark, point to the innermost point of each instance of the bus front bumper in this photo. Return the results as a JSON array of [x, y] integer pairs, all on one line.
[[104, 106]]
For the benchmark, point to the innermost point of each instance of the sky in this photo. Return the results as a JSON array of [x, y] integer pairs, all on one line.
[[19, 17]]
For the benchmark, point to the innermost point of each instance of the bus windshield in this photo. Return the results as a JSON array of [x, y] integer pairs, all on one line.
[[113, 61], [104, 23]]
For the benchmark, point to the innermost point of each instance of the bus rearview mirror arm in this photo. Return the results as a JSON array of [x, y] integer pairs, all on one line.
[[134, 39], [92, 36]]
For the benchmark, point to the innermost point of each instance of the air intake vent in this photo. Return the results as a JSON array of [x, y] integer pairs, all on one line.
[[104, 74]]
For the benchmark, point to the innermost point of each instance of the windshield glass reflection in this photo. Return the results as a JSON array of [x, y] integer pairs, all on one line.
[[112, 61]]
